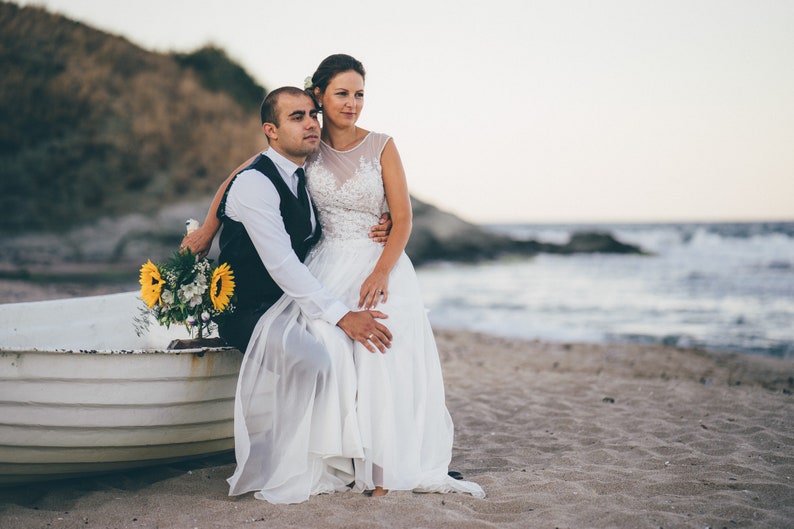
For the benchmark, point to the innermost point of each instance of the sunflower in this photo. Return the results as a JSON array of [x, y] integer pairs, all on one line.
[[221, 287], [151, 283]]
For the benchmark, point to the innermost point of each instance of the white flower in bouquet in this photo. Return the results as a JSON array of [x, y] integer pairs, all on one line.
[[168, 298], [192, 293]]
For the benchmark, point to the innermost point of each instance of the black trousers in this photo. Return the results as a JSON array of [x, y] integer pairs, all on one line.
[[236, 329]]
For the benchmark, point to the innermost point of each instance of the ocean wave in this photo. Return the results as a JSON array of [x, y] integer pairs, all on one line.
[[721, 287]]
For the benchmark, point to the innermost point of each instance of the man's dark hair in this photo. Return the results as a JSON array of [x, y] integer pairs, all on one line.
[[268, 109]]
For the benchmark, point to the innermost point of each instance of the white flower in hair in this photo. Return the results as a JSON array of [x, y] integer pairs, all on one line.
[[307, 83]]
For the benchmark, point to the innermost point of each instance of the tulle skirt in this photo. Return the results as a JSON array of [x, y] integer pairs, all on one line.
[[316, 412]]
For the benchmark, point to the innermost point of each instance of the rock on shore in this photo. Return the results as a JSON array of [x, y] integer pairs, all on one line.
[[441, 236]]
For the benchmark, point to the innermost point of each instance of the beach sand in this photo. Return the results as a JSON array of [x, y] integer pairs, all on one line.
[[559, 435]]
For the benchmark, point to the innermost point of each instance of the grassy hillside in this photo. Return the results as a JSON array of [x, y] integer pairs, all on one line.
[[92, 125]]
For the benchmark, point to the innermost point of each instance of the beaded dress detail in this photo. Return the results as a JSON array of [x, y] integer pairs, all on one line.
[[347, 188]]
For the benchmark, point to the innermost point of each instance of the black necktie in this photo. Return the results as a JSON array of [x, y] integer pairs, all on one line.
[[303, 197]]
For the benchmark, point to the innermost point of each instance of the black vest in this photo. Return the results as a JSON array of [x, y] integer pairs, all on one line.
[[254, 287]]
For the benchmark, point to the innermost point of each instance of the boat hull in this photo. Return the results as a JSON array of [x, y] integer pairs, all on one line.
[[76, 411]]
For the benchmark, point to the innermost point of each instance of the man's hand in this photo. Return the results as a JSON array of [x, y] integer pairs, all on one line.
[[365, 329], [380, 232]]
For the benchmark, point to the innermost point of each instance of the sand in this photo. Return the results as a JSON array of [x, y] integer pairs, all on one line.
[[559, 435]]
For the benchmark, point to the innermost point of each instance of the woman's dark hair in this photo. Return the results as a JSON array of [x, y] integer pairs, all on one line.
[[332, 65]]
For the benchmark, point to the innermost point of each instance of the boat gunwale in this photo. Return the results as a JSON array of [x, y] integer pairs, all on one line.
[[199, 351]]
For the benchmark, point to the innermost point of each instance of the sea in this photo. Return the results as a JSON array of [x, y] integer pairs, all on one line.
[[723, 287]]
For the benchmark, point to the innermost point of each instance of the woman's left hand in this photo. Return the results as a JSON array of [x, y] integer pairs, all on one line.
[[374, 290], [198, 241]]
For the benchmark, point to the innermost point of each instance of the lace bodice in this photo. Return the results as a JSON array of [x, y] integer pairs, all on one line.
[[347, 188]]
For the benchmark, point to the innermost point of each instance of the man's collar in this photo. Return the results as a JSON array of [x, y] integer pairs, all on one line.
[[285, 164]]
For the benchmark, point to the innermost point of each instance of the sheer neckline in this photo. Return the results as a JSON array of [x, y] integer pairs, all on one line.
[[351, 149]]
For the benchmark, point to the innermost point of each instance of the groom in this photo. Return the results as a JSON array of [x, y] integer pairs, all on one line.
[[269, 225]]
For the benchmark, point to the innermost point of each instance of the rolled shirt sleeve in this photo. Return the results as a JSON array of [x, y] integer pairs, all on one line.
[[254, 201]]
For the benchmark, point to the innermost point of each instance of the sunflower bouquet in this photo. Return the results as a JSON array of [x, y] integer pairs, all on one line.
[[187, 291]]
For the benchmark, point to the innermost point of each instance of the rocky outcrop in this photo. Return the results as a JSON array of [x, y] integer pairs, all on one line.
[[596, 242], [441, 236]]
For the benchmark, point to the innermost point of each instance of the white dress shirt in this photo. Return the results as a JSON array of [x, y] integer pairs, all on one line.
[[254, 201]]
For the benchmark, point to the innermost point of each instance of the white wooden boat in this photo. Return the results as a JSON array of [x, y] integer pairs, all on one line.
[[81, 393]]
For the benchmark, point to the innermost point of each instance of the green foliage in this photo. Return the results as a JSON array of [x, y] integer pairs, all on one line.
[[91, 125], [219, 74]]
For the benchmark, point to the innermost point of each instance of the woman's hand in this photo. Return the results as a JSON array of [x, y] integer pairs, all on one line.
[[374, 290], [198, 241]]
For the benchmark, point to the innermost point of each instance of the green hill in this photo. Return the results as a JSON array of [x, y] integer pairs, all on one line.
[[92, 125]]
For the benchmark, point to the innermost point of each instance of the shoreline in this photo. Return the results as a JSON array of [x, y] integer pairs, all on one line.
[[48, 283], [559, 435]]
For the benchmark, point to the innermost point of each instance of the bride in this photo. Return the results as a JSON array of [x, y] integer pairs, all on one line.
[[399, 433]]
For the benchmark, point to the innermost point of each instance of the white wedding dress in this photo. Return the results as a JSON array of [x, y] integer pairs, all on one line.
[[379, 419]]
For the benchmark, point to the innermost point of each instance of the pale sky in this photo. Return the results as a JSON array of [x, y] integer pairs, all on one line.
[[533, 110]]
